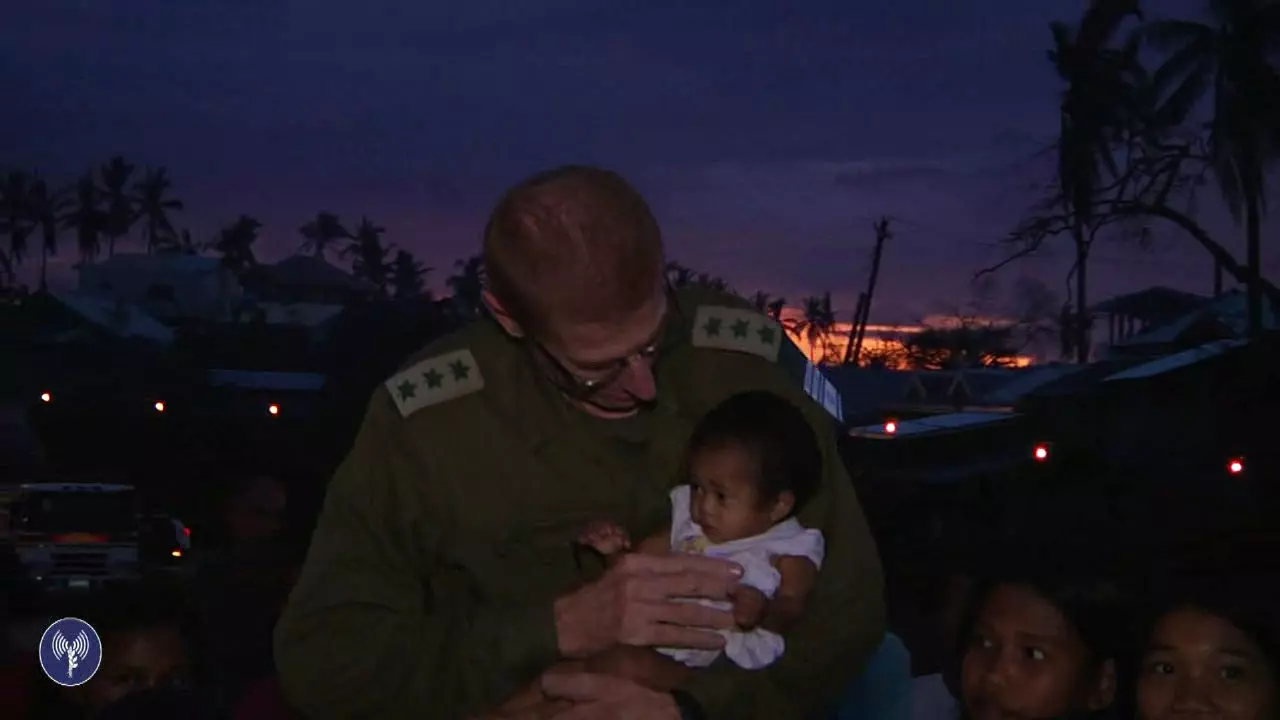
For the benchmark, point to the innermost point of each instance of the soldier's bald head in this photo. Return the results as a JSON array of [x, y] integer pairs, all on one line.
[[575, 243]]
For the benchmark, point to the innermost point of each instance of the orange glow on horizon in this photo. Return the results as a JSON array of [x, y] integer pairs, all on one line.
[[879, 341]]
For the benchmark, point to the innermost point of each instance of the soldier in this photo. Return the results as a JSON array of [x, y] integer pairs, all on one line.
[[443, 574]]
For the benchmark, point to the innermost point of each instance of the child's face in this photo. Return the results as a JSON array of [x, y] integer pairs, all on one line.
[[136, 661], [724, 499], [1199, 664], [1026, 662]]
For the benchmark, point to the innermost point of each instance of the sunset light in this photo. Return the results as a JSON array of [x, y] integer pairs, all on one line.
[[881, 342]]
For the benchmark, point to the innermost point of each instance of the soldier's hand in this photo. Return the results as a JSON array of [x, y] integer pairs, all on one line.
[[637, 602], [605, 537], [601, 697]]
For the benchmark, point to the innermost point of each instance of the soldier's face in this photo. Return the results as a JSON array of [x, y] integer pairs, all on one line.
[[615, 359]]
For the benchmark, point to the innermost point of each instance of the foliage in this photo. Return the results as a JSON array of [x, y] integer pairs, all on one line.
[[323, 232], [1135, 145]]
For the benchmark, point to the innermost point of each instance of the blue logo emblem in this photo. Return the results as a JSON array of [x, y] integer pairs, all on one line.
[[70, 652]]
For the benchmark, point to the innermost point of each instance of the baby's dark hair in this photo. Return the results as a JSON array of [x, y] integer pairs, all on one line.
[[776, 432]]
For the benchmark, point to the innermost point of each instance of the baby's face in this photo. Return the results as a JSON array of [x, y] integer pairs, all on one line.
[[724, 499]]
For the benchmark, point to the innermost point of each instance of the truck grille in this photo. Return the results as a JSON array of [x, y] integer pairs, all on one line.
[[80, 563]]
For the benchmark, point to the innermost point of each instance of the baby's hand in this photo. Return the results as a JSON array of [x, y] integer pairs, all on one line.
[[606, 538], [748, 606]]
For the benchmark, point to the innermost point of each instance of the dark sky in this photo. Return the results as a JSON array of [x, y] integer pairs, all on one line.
[[767, 139]]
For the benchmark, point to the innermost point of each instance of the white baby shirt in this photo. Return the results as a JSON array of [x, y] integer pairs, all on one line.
[[759, 647]]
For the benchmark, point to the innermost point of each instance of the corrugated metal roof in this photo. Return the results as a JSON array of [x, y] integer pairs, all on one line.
[[948, 422], [1175, 361], [117, 317], [1229, 310], [266, 380], [864, 391], [1155, 304], [1027, 381]]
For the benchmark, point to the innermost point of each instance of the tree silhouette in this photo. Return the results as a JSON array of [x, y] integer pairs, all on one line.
[[466, 285], [85, 215], [323, 232], [815, 324], [120, 212], [1159, 154], [368, 255], [235, 244], [1094, 105], [965, 346], [45, 206], [408, 276], [1230, 57], [154, 206], [15, 221]]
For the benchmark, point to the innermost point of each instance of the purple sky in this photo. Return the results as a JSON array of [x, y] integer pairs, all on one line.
[[767, 140]]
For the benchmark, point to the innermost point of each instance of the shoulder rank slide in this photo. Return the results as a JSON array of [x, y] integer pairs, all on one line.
[[727, 328], [435, 380]]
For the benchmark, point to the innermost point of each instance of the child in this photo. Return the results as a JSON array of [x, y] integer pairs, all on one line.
[[1214, 650], [144, 647], [1041, 642], [752, 463]]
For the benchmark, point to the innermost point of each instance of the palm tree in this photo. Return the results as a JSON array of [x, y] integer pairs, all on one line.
[[45, 207], [154, 205], [467, 284], [408, 276], [15, 221], [815, 325], [86, 216], [323, 232], [235, 244], [369, 255], [1094, 106], [120, 209], [768, 304], [1230, 57]]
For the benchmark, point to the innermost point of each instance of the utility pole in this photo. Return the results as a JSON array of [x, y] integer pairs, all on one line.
[[883, 233], [853, 329]]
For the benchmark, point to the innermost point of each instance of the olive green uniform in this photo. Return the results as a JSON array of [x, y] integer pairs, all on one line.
[[449, 529]]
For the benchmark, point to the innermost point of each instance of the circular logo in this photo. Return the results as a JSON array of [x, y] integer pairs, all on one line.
[[70, 652]]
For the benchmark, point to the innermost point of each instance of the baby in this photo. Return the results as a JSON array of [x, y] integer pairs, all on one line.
[[752, 463]]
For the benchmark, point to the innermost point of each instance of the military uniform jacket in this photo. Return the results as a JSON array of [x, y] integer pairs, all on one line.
[[449, 529]]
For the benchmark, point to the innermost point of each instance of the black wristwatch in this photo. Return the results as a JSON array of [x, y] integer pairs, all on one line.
[[690, 708]]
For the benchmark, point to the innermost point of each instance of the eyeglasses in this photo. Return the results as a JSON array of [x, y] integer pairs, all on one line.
[[580, 388]]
